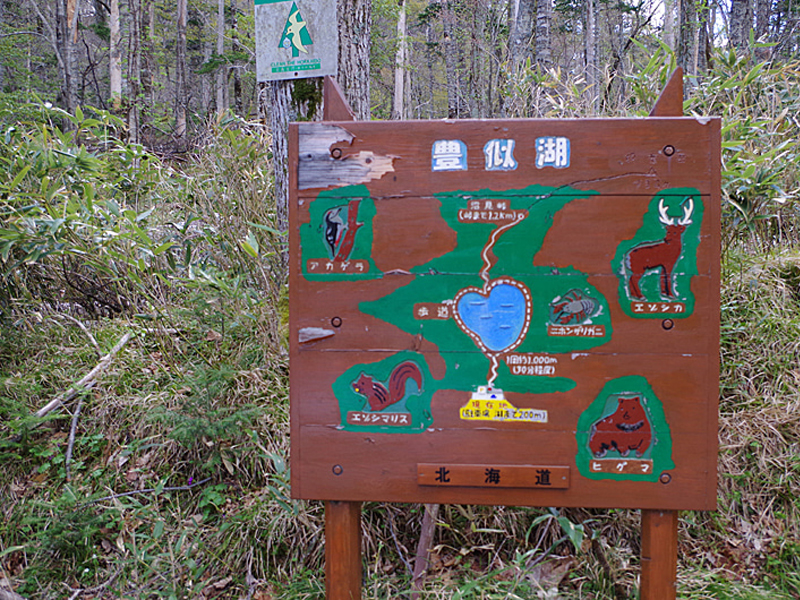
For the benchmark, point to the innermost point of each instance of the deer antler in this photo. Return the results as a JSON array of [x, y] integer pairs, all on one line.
[[662, 212], [687, 212]]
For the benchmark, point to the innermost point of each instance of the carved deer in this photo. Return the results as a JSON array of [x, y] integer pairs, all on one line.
[[662, 254]]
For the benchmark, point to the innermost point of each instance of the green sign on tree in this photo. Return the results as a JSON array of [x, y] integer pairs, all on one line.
[[295, 38]]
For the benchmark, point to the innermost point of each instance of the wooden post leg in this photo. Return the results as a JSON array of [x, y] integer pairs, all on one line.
[[343, 550], [659, 554]]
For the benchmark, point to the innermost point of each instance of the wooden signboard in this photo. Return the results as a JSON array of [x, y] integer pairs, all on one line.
[[515, 312], [519, 312]]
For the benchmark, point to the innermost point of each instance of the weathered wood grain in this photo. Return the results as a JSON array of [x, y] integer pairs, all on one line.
[[369, 466]]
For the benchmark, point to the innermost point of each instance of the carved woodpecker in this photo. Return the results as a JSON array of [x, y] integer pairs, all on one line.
[[334, 227]]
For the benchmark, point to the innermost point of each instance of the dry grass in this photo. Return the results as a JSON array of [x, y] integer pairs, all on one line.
[[188, 434], [240, 532]]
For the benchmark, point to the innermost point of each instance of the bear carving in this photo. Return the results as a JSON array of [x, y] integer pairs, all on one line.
[[625, 430]]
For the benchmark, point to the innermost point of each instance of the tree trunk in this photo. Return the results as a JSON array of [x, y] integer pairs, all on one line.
[[281, 113], [762, 19], [522, 33], [208, 54], [115, 57], [430, 38], [692, 41], [148, 14], [236, 47], [669, 23], [703, 47], [146, 75], [276, 100], [180, 72], [221, 70], [687, 24], [66, 32], [590, 22], [72, 47], [739, 25], [450, 60], [135, 70], [398, 108], [355, 24], [483, 92], [543, 53]]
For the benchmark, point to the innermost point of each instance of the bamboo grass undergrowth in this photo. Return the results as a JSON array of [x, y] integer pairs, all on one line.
[[179, 482]]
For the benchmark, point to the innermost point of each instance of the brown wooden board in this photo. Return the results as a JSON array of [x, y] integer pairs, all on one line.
[[484, 302]]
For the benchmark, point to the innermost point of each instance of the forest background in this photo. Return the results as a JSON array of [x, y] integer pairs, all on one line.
[[143, 363]]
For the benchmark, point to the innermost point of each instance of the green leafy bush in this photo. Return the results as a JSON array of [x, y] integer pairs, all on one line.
[[74, 211]]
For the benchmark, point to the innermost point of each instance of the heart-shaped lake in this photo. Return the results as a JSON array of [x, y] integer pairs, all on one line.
[[497, 319]]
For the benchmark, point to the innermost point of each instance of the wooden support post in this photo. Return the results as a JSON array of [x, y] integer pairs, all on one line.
[[335, 105], [342, 550], [659, 554], [660, 527], [342, 519]]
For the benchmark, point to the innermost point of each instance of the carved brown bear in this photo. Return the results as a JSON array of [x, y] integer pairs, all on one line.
[[625, 430]]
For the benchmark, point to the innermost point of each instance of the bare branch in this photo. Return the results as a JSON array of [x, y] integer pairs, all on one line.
[[179, 488], [92, 590], [52, 38], [422, 559], [72, 429], [87, 381], [86, 331], [34, 33]]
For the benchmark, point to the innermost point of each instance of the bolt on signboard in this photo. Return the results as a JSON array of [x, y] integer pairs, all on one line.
[[295, 39], [516, 312]]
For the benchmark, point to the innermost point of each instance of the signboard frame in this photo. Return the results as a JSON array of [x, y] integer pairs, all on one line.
[[342, 154]]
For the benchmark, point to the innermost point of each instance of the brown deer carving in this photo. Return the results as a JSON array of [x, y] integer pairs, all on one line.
[[659, 255]]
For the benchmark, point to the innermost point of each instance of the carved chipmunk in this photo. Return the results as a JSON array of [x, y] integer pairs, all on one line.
[[378, 395]]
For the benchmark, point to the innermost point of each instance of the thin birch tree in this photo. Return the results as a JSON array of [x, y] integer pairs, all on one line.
[[180, 71], [115, 56], [401, 57]]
